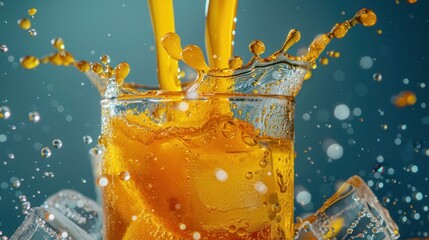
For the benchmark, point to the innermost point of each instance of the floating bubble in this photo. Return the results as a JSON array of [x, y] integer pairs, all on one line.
[[87, 139], [57, 143], [418, 196], [342, 112], [196, 235], [102, 181], [221, 175], [16, 183], [3, 138], [95, 151], [125, 176], [34, 117], [4, 48], [377, 77], [5, 112], [366, 62], [303, 198], [46, 152], [261, 187], [335, 151], [357, 112]]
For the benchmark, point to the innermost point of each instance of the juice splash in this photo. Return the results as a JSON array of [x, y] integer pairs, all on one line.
[[172, 156]]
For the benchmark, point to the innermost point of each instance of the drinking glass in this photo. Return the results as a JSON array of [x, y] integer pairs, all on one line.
[[202, 164]]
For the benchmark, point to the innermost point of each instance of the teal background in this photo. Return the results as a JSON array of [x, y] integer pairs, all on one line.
[[69, 105]]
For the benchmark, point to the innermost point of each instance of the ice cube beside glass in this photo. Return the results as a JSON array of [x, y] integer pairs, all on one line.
[[353, 212], [48, 224], [82, 211]]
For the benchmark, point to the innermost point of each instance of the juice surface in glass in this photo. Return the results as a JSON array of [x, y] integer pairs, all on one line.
[[219, 166]]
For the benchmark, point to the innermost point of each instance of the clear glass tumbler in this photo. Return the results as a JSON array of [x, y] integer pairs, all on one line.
[[195, 165]]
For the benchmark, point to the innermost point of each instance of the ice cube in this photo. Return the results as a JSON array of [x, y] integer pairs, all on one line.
[[48, 224], [353, 212], [82, 211]]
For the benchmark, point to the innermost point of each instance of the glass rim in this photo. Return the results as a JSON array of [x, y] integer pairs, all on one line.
[[164, 96]]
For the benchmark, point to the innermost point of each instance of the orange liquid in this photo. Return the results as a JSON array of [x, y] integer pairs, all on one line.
[[195, 177]]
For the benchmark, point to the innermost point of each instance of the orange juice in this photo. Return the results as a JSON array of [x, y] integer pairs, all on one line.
[[177, 168]]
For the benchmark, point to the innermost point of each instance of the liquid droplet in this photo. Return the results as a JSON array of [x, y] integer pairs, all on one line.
[[5, 112], [121, 72], [194, 57], [34, 117], [102, 181], [229, 130], [125, 176], [247, 139], [241, 232], [29, 62], [377, 77], [58, 43], [324, 61], [366, 17], [82, 66], [32, 11], [32, 32], [57, 143], [257, 47], [24, 23], [235, 62], [105, 59], [95, 151], [171, 43], [45, 152], [97, 68], [4, 48], [87, 139]]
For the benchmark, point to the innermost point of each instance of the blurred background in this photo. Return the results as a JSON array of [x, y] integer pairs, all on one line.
[[346, 120]]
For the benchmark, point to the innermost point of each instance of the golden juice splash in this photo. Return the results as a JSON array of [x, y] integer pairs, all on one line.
[[191, 164]]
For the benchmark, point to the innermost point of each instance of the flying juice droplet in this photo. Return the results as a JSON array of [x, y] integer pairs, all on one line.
[[105, 59], [32, 12], [58, 43], [366, 17], [194, 57], [257, 47], [235, 62], [82, 66], [29, 62], [121, 72], [171, 43], [24, 23]]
